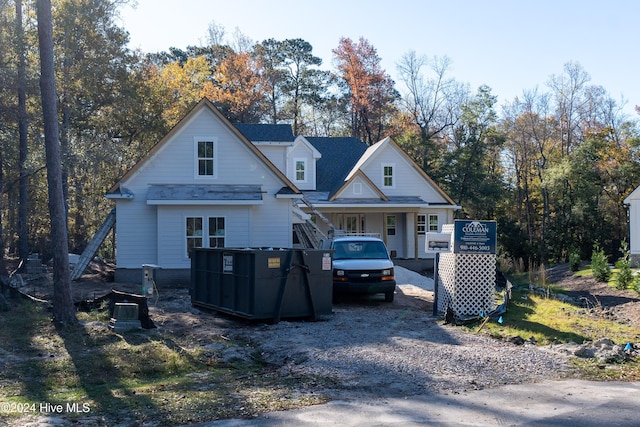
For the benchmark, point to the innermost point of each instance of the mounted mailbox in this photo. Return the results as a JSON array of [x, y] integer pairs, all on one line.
[[437, 242]]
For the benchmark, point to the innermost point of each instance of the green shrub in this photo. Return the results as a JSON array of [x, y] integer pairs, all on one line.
[[575, 261], [624, 278], [600, 265]]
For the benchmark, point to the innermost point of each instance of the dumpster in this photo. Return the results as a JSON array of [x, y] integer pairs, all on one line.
[[263, 283]]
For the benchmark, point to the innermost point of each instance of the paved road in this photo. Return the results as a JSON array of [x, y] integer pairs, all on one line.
[[551, 403]]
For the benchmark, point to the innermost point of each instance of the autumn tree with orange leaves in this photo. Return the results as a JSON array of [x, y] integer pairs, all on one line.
[[239, 89], [371, 90]]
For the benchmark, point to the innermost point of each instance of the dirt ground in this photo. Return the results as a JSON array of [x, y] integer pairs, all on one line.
[[621, 305]]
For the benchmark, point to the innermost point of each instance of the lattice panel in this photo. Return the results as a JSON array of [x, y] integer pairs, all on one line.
[[466, 283]]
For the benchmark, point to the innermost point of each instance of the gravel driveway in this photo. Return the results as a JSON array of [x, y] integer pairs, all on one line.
[[368, 347]]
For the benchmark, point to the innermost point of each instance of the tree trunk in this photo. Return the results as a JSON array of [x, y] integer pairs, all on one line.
[[3, 265], [63, 309], [23, 231]]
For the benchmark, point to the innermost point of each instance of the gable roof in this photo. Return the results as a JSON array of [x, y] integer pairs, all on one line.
[[378, 146], [301, 140], [206, 104], [339, 155], [366, 180], [633, 196], [266, 132]]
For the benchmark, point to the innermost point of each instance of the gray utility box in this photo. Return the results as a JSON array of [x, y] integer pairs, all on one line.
[[263, 283]]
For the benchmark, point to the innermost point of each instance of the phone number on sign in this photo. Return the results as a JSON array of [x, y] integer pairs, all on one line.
[[43, 407]]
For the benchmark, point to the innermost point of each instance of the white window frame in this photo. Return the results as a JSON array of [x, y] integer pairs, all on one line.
[[205, 235], [197, 158], [433, 226], [194, 236], [421, 224], [357, 188], [218, 236], [304, 169], [385, 176], [391, 228]]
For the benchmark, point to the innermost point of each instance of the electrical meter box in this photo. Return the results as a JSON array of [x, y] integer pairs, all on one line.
[[149, 279]]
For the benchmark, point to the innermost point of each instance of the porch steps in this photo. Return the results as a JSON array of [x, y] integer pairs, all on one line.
[[92, 247], [317, 213], [307, 235]]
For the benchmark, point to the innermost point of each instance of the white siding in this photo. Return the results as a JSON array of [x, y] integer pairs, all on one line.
[[358, 189], [277, 154], [634, 226], [171, 226], [174, 162], [407, 180], [297, 152], [135, 233], [150, 234], [445, 216]]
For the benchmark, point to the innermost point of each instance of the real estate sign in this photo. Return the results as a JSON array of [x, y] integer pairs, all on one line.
[[474, 237]]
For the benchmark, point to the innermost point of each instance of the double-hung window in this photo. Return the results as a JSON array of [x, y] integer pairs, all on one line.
[[300, 170], [216, 232], [205, 157], [197, 228], [193, 233], [421, 224], [387, 176], [433, 222]]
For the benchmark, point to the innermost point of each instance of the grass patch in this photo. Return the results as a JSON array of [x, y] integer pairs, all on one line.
[[551, 321], [147, 376], [590, 369], [547, 320]]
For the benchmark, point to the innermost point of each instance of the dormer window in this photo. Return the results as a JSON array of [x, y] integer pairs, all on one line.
[[387, 176], [205, 157], [300, 170]]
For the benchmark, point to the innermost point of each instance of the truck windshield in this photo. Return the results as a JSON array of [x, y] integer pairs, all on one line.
[[360, 250]]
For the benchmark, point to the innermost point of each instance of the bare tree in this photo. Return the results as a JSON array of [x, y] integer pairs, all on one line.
[[63, 309], [432, 99]]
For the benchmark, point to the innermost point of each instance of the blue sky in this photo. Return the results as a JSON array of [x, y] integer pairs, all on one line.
[[509, 45]]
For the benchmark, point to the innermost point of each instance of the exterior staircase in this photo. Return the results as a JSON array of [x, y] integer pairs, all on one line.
[[308, 233], [92, 247]]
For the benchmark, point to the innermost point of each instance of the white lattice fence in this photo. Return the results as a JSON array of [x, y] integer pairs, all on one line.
[[466, 283]]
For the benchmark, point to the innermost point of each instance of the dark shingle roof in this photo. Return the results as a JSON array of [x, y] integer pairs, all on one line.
[[266, 132], [339, 155]]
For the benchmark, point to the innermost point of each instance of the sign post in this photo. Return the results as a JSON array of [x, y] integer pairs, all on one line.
[[464, 266], [436, 243]]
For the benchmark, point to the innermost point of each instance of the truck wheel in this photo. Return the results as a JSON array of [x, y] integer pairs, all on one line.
[[388, 296]]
